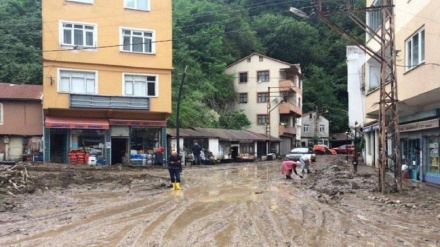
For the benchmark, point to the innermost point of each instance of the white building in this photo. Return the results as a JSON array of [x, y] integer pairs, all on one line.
[[314, 126], [269, 91]]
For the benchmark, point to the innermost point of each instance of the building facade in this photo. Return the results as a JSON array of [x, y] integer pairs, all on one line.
[[418, 83], [269, 91], [107, 78], [20, 122], [315, 126]]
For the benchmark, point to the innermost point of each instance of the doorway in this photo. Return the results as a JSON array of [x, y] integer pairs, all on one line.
[[119, 150], [58, 148]]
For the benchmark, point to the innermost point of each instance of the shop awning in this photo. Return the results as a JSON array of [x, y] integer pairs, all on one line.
[[151, 123], [76, 123]]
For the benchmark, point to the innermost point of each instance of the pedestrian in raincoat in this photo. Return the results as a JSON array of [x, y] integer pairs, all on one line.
[[287, 166], [175, 167]]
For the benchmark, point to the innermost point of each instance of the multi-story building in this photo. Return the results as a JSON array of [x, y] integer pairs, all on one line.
[[107, 78], [315, 129], [269, 91], [418, 72]]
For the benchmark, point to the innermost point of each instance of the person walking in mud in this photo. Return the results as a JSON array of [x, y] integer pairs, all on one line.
[[306, 161], [175, 167], [196, 150], [286, 168]]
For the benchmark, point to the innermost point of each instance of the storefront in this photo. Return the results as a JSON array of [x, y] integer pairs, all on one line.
[[68, 140], [136, 141], [419, 149], [73, 140]]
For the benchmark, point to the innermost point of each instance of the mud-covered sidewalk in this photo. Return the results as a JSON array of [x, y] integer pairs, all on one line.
[[243, 204]]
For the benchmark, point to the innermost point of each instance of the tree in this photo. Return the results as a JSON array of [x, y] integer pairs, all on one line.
[[20, 41]]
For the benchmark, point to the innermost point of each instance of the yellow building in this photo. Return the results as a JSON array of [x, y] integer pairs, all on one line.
[[107, 78]]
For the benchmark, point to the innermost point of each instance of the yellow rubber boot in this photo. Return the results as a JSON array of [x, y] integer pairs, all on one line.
[[178, 186], [174, 186]]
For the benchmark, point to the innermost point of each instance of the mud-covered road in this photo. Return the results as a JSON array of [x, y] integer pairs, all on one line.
[[245, 204]]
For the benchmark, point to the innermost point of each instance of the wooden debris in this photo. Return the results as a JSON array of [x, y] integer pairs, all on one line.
[[14, 180]]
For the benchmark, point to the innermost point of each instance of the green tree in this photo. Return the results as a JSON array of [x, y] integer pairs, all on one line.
[[20, 41]]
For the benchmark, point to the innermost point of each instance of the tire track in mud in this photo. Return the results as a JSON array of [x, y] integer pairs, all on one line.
[[249, 205]]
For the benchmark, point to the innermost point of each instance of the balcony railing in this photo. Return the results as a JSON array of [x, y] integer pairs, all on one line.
[[289, 108], [283, 130], [109, 102], [290, 85]]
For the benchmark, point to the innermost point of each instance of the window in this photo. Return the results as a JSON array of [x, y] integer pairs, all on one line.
[[249, 60], [1, 113], [415, 49], [78, 34], [243, 98], [262, 119], [299, 102], [306, 128], [321, 128], [137, 4], [137, 40], [263, 76], [81, 1], [260, 58], [77, 82], [311, 116], [262, 97], [374, 18], [243, 77], [140, 85]]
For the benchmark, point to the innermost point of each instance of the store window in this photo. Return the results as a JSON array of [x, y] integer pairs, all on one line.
[[433, 155], [91, 141], [144, 140]]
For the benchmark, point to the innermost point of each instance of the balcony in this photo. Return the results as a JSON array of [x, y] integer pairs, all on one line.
[[286, 130], [109, 102], [289, 108], [287, 85]]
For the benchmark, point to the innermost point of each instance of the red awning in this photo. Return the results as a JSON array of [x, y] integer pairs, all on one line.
[[138, 122], [76, 123]]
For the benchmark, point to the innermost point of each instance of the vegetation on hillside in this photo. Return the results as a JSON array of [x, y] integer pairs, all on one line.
[[207, 36]]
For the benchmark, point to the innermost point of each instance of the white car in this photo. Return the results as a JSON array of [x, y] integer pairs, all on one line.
[[296, 153]]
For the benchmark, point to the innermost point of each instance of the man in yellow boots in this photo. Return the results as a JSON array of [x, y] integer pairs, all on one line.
[[174, 167]]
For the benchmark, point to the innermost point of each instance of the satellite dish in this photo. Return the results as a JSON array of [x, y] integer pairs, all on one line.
[[298, 12]]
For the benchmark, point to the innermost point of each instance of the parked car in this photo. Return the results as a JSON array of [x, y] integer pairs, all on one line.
[[323, 149], [347, 148], [296, 153]]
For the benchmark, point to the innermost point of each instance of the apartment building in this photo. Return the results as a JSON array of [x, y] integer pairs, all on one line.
[[418, 72], [269, 91], [315, 126], [107, 78]]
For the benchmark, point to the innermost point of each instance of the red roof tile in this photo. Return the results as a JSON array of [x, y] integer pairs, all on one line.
[[21, 91]]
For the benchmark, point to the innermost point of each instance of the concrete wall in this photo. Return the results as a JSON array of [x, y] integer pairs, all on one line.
[[22, 118]]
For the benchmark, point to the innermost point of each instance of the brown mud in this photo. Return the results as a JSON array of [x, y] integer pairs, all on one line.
[[242, 204]]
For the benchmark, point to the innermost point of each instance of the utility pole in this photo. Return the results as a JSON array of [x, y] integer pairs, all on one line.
[[388, 108]]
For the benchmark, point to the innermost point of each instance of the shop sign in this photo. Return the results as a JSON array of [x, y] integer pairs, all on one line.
[[428, 124], [75, 126], [137, 122], [371, 128]]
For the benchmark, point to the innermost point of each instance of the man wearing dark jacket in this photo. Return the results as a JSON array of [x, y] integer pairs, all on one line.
[[196, 153]]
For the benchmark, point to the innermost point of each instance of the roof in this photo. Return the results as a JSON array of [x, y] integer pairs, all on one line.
[[259, 54], [221, 134], [21, 91]]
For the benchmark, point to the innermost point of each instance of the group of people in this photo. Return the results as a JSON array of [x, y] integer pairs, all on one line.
[[202, 156], [289, 165], [175, 165]]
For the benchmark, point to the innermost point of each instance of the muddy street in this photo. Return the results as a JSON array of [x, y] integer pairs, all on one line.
[[244, 204]]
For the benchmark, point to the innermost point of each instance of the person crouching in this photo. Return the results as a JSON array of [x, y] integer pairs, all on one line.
[[287, 166], [175, 167]]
